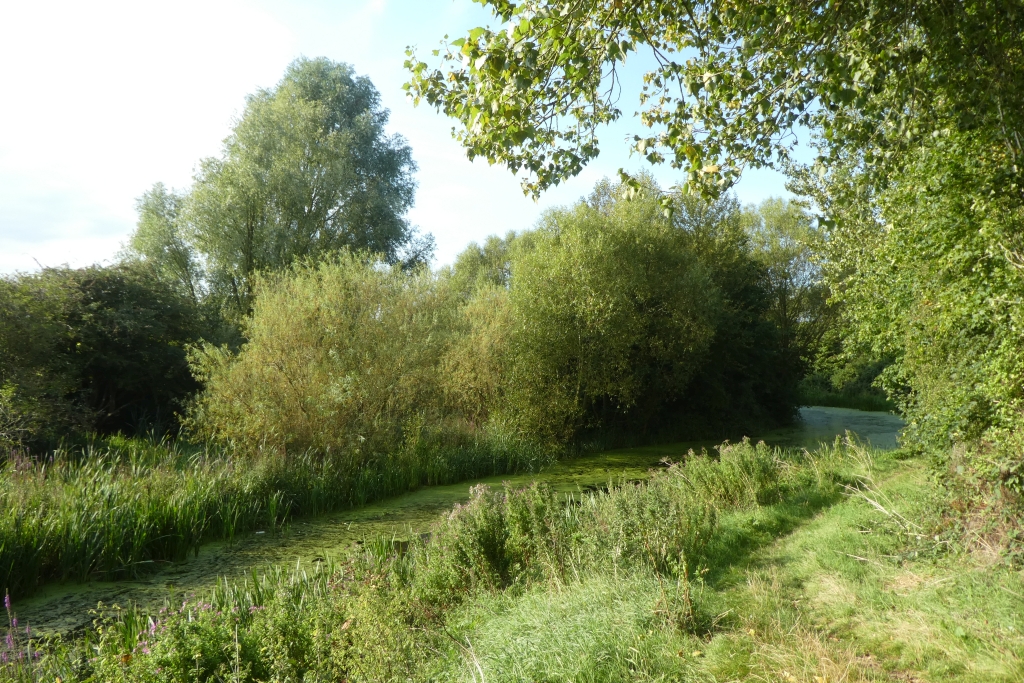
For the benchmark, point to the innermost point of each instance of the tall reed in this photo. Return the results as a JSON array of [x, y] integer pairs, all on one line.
[[120, 510]]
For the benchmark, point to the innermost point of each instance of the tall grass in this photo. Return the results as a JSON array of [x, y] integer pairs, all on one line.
[[417, 610], [120, 509]]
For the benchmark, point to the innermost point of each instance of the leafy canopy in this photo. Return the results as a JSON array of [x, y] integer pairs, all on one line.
[[733, 78]]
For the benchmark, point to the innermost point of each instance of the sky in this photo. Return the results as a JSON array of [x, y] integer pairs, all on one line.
[[103, 99]]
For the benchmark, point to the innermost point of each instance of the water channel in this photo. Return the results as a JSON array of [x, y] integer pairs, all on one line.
[[66, 607]]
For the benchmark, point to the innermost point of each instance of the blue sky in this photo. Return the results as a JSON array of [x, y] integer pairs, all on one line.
[[102, 99]]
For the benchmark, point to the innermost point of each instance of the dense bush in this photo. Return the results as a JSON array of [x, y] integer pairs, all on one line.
[[342, 355], [93, 349], [611, 319], [611, 315]]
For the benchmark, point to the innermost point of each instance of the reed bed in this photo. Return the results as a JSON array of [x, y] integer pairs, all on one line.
[[119, 509]]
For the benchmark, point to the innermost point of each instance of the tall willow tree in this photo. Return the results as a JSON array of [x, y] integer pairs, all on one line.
[[307, 170]]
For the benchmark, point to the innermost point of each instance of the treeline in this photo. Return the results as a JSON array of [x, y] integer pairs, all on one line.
[[284, 301], [307, 170], [608, 322]]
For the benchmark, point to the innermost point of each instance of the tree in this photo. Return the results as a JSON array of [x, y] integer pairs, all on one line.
[[732, 79], [611, 318], [94, 349], [785, 239], [915, 107], [343, 354], [161, 240], [307, 170], [612, 315]]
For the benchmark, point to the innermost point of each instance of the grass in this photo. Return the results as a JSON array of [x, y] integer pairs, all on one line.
[[760, 565], [117, 509]]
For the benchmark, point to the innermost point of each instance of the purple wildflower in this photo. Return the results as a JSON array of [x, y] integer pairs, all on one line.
[[7, 600], [14, 622], [9, 640]]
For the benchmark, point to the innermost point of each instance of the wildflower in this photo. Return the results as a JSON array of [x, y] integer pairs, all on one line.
[[10, 641], [14, 622], [7, 601]]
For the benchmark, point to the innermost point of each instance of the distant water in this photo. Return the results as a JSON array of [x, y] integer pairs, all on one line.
[[66, 607]]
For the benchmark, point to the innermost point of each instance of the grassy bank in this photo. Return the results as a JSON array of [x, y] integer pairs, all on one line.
[[119, 508], [762, 565]]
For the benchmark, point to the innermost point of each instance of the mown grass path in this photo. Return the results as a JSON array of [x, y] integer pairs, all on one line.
[[860, 592]]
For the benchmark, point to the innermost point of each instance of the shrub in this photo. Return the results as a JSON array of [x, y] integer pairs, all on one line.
[[611, 313], [341, 356], [95, 349]]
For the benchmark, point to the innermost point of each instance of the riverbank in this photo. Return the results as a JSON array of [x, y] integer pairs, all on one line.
[[767, 565], [304, 541], [122, 510]]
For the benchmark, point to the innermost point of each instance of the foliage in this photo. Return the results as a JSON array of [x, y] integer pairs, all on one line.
[[749, 377], [743, 581], [160, 239], [600, 320], [94, 349], [786, 240], [731, 82], [929, 278], [914, 108], [611, 313], [476, 364], [385, 613], [307, 170], [342, 355]]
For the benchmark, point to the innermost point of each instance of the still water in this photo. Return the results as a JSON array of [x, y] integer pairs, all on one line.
[[66, 607]]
